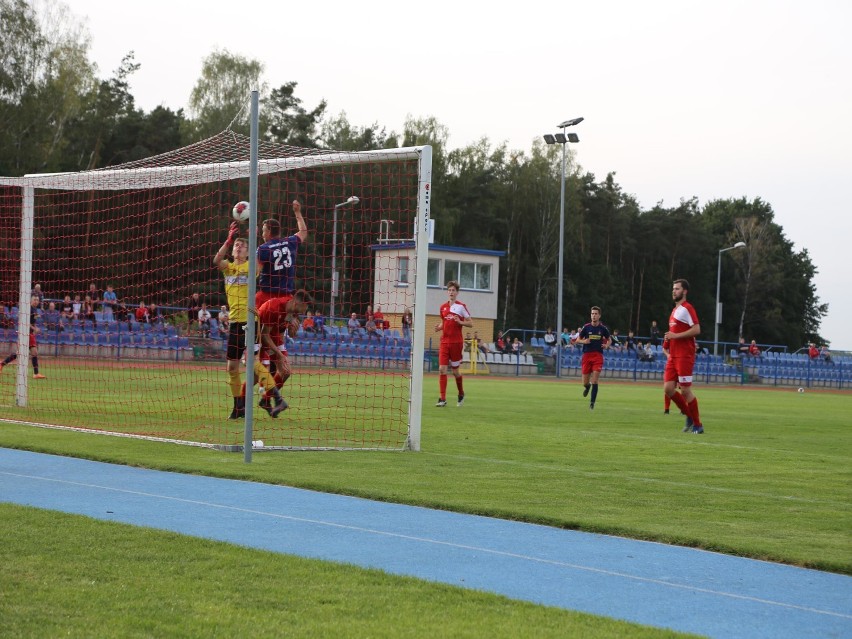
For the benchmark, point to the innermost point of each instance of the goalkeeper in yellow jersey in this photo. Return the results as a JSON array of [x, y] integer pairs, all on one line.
[[236, 275]]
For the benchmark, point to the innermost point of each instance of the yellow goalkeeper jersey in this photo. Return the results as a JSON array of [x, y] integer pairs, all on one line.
[[236, 289]]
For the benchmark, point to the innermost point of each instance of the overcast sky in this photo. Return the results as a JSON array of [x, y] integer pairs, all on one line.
[[713, 100]]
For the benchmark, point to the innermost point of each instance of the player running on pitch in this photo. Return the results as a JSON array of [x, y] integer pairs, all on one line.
[[34, 303], [454, 315], [594, 337]]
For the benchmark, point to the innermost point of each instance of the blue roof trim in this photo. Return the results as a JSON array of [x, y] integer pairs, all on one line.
[[438, 247]]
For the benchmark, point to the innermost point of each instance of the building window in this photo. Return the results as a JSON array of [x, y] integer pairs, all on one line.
[[433, 273], [470, 275], [402, 270]]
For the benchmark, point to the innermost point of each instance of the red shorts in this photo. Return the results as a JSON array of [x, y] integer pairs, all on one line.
[[679, 369], [450, 354], [592, 362], [32, 340]]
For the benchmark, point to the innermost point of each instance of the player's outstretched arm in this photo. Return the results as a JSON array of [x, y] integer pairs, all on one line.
[[219, 259], [300, 221]]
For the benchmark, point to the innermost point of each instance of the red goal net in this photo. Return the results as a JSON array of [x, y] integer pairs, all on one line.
[[120, 262]]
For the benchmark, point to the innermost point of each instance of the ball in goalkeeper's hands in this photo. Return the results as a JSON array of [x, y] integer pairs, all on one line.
[[241, 211]]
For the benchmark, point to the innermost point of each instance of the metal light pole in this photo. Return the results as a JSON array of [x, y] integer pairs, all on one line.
[[335, 278], [738, 245], [563, 139]]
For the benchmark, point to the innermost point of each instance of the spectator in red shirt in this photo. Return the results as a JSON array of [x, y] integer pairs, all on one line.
[[754, 349], [142, 313], [813, 351]]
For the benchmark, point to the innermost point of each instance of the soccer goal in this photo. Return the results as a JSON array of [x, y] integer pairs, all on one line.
[[142, 364]]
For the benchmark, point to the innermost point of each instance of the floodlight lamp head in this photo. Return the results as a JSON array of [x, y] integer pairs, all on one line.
[[739, 245], [572, 137], [560, 137], [549, 139], [571, 122]]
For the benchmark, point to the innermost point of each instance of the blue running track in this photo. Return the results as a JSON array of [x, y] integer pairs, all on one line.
[[665, 586]]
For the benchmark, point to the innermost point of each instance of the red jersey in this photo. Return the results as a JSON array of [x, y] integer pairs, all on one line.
[[452, 330], [274, 311], [683, 318]]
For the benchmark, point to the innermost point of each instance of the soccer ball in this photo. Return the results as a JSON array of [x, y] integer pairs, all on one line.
[[801, 390], [241, 211]]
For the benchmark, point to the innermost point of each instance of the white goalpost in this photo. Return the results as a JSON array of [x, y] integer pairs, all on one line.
[[148, 230]]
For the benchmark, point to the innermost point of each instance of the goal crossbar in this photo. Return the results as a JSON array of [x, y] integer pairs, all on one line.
[[166, 176]]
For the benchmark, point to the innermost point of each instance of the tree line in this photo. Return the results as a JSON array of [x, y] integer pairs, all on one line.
[[56, 115]]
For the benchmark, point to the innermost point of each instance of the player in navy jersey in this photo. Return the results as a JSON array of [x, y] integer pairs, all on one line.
[[276, 258], [594, 337], [276, 265]]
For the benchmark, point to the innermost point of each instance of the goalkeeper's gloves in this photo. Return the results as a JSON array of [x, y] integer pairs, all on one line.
[[232, 233]]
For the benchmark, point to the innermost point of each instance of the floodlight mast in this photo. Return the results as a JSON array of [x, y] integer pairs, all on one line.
[[718, 317], [563, 139], [335, 278]]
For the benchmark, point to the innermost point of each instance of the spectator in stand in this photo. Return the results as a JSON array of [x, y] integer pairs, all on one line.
[[500, 343], [142, 314], [655, 333], [825, 354], [94, 294], [381, 323], [319, 324], [549, 343], [742, 347], [88, 312], [203, 320], [481, 346], [193, 306], [78, 307], [36, 292], [518, 347], [66, 310], [224, 319], [154, 315], [630, 342], [308, 324], [52, 320], [407, 321], [121, 313], [372, 328], [572, 337], [353, 325], [565, 337], [109, 302], [754, 349], [813, 351], [615, 341]]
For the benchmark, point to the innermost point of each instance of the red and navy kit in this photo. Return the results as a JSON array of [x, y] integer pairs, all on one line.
[[598, 336], [593, 351]]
